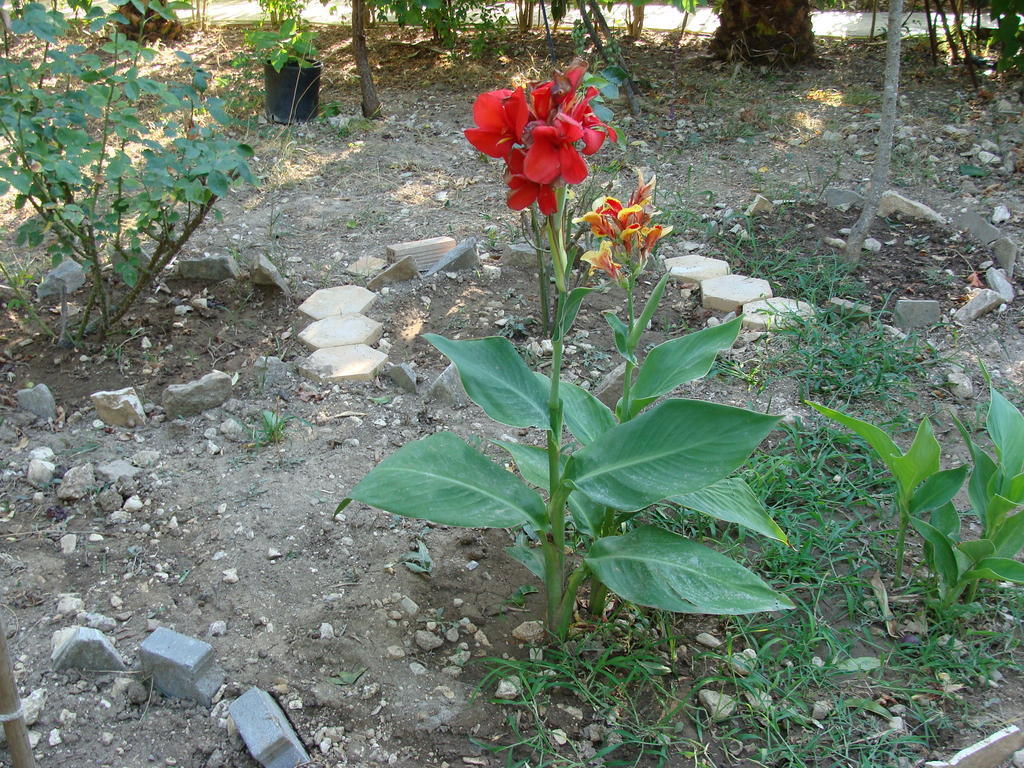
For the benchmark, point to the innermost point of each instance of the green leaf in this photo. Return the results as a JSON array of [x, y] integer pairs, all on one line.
[[567, 310], [939, 551], [348, 678], [531, 461], [498, 380], [531, 558], [880, 442], [868, 705], [1009, 538], [982, 474], [441, 479], [679, 446], [586, 416], [967, 169], [919, 462], [645, 317], [651, 566], [1005, 425], [859, 664], [947, 521], [733, 501], [977, 550], [938, 490], [998, 569], [678, 361], [218, 183], [587, 516], [621, 334]]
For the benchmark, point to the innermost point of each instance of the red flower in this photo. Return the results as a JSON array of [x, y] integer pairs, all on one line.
[[542, 133]]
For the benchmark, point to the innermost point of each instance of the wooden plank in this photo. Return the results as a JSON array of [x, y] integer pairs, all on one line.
[[423, 252]]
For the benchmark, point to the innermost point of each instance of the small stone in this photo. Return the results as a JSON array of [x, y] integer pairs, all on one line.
[[133, 503], [508, 688], [197, 396], [983, 302], [265, 272], [417, 669], [40, 473], [145, 459], [54, 739], [719, 705], [758, 699], [532, 632], [871, 245], [1018, 759], [116, 471], [916, 313], [399, 272], [834, 242], [843, 199], [119, 407], [760, 204], [988, 158], [1005, 251], [428, 641], [996, 280], [893, 202], [960, 385], [395, 652], [38, 400], [519, 255], [326, 631], [365, 266], [403, 376], [357, 362], [1001, 214], [210, 268], [234, 431], [341, 330], [408, 606], [822, 709], [339, 300], [42, 453], [708, 640], [97, 621], [84, 648], [230, 576], [447, 388], [218, 628], [69, 603], [730, 292], [76, 483], [68, 543], [66, 277]]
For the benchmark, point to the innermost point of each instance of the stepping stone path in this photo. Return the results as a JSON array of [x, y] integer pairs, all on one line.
[[340, 335]]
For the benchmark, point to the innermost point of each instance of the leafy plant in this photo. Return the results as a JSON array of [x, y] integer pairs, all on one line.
[[119, 169], [921, 485], [612, 465], [1009, 33], [996, 493], [270, 429], [292, 42]]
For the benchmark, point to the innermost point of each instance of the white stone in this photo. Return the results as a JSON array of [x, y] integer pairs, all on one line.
[[708, 640], [40, 473], [692, 269], [730, 292], [43, 453], [365, 266], [508, 688], [119, 407], [68, 543], [769, 314], [341, 331], [230, 576], [326, 631], [893, 202], [132, 504], [719, 705], [339, 300], [871, 245], [960, 384], [983, 302], [357, 362], [76, 483], [1001, 214], [761, 204], [996, 280]]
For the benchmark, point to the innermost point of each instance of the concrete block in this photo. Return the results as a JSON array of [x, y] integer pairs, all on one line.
[[852, 310], [194, 397], [990, 752], [424, 253], [399, 272], [447, 388], [730, 292], [693, 269], [213, 269], [337, 301], [983, 302], [609, 389], [996, 280], [462, 256], [265, 272], [341, 331], [267, 734], [84, 648], [769, 314], [916, 313], [182, 667], [1005, 251], [978, 227], [356, 362], [760, 204]]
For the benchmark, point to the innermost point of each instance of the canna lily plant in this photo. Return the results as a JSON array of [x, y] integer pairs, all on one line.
[[584, 492]]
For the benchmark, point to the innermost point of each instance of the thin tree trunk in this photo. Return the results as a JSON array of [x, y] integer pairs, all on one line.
[[370, 103], [11, 710], [933, 41], [617, 60], [886, 128]]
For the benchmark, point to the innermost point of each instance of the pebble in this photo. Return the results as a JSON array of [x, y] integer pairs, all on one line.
[[395, 652], [1018, 759], [218, 629], [428, 641], [719, 705], [68, 543], [707, 640], [417, 669], [230, 576], [822, 709], [409, 606], [70, 604], [508, 688], [529, 632], [326, 631], [54, 738], [132, 504]]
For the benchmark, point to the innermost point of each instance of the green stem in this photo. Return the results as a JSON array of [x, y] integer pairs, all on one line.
[[623, 409], [564, 614], [542, 275], [901, 540]]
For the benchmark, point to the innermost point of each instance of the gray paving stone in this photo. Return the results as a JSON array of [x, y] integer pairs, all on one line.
[[447, 388], [730, 292], [403, 376], [265, 272], [356, 362], [769, 314], [916, 313], [978, 227], [694, 269], [182, 667], [341, 331], [267, 734], [84, 648], [337, 301], [996, 280]]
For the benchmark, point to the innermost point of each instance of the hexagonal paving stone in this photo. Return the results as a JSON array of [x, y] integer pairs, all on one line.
[[339, 300], [341, 330], [768, 314], [357, 362], [730, 292], [693, 269]]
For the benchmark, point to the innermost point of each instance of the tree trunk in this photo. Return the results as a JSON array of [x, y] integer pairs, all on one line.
[[370, 104], [886, 128], [764, 31]]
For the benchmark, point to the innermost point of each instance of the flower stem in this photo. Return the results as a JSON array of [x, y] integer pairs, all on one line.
[[542, 276], [901, 539]]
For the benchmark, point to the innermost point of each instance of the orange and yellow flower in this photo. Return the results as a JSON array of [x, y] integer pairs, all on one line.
[[602, 259]]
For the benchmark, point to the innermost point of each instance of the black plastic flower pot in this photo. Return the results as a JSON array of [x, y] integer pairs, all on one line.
[[293, 94]]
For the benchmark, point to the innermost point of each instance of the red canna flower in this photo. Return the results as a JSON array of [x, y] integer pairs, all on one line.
[[501, 116], [523, 192]]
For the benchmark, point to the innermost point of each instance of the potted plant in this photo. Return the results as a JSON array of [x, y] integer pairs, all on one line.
[[291, 70]]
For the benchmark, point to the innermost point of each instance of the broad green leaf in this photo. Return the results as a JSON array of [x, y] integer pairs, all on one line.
[[977, 549], [441, 479], [998, 569], [567, 310], [497, 380], [938, 490], [651, 566], [587, 515], [946, 520], [531, 461], [679, 446], [868, 705], [919, 462], [1005, 425], [586, 416], [939, 551], [982, 474], [1014, 489], [732, 500], [880, 442], [678, 361], [621, 335], [1009, 539], [859, 664], [532, 559], [973, 170], [648, 312]]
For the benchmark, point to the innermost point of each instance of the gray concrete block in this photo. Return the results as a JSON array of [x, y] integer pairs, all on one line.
[[84, 648], [182, 667], [462, 256], [266, 731], [916, 313]]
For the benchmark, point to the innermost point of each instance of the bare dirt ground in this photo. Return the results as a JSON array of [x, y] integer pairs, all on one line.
[[361, 691]]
